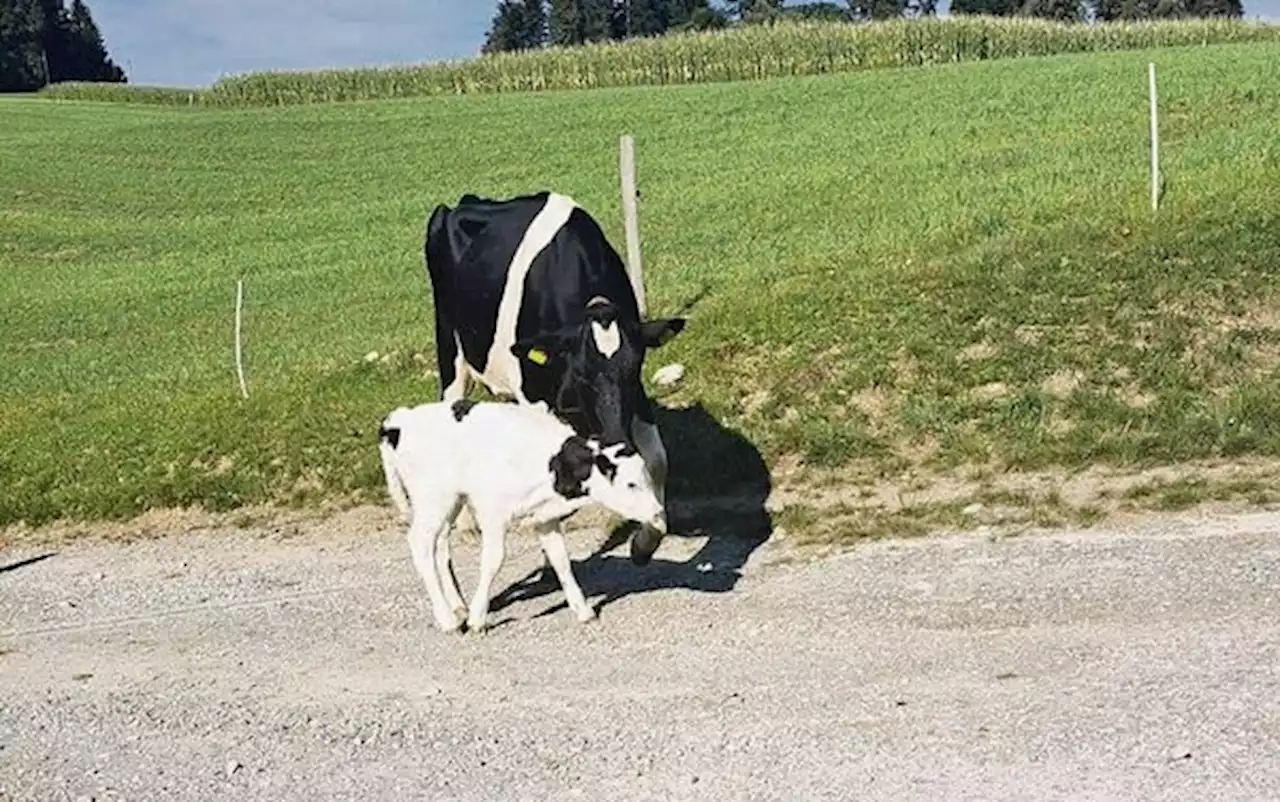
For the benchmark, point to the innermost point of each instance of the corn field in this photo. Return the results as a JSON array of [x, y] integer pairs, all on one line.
[[745, 53], [124, 93]]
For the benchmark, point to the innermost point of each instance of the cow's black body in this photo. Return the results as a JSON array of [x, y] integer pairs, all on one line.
[[469, 252], [572, 336]]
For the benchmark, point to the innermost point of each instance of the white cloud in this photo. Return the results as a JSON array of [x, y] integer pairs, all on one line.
[[193, 42]]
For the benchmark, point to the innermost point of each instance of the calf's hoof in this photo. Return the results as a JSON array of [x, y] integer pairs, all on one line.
[[586, 615]]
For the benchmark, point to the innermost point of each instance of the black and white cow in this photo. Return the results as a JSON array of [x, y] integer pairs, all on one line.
[[533, 302]]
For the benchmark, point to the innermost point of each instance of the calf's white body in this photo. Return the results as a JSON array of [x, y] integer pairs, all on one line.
[[508, 463]]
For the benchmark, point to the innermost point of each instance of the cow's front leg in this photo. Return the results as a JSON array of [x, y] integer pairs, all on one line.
[[649, 443]]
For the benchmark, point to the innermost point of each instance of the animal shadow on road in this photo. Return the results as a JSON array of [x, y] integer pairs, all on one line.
[[15, 565], [717, 485]]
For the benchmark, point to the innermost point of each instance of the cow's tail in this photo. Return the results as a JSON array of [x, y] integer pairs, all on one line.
[[435, 234], [388, 440]]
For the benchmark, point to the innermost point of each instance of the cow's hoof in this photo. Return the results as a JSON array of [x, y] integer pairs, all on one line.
[[478, 627], [587, 615]]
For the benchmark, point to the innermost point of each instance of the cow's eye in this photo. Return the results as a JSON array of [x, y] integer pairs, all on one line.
[[632, 486]]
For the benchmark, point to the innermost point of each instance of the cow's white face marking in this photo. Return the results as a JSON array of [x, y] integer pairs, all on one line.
[[608, 338]]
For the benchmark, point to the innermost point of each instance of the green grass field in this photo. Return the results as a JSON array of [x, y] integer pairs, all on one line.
[[934, 267]]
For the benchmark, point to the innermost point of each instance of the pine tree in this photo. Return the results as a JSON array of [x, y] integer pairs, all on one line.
[[573, 22], [647, 17], [682, 12], [42, 42], [755, 10], [21, 49], [619, 13], [1059, 10], [1170, 9], [1106, 10], [998, 8], [822, 10], [86, 53], [533, 30], [877, 9], [517, 25], [55, 35], [505, 28], [1215, 8]]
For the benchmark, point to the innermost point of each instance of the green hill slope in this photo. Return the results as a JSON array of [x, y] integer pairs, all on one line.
[[901, 267]]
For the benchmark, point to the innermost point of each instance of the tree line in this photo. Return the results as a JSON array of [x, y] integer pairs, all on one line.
[[529, 24], [44, 42]]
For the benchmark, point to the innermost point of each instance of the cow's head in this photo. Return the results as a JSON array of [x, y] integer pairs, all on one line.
[[596, 365]]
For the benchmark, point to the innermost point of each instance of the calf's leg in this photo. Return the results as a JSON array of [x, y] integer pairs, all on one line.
[[553, 547], [431, 520], [455, 379], [449, 579], [492, 553]]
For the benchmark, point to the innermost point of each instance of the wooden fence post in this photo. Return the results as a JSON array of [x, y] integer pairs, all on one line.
[[627, 170], [1155, 140], [244, 390]]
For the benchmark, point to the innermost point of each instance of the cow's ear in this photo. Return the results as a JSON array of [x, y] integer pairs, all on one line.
[[543, 350], [654, 333]]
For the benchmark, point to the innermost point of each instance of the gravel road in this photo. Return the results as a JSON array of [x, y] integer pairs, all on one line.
[[1138, 663]]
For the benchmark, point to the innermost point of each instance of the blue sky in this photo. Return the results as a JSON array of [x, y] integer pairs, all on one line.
[[193, 42]]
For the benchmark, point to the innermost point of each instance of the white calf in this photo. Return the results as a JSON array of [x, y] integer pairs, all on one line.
[[507, 462]]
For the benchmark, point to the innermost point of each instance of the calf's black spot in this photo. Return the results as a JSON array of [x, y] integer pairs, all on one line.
[[606, 466], [392, 435]]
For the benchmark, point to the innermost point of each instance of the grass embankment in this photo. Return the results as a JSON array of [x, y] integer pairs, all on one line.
[[751, 52], [905, 269]]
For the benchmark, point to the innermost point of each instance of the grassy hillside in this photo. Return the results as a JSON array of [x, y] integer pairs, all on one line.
[[745, 53], [902, 267]]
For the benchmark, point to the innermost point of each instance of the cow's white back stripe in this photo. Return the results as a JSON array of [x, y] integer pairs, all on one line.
[[502, 369]]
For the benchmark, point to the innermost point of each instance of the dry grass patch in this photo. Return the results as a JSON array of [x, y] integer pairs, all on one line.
[[990, 391], [977, 352], [839, 505], [1062, 383]]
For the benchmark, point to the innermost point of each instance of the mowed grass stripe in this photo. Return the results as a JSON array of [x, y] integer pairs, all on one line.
[[903, 268]]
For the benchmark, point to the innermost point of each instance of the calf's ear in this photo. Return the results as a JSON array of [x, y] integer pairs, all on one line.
[[654, 333], [570, 467]]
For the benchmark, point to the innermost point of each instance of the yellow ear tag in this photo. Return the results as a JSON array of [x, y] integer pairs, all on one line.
[[537, 356]]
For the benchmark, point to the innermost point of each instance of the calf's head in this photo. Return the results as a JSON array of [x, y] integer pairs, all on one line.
[[597, 365], [613, 476]]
